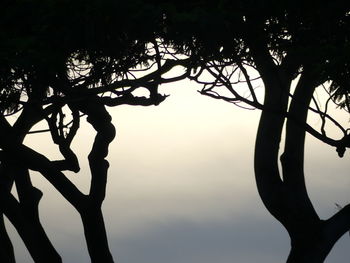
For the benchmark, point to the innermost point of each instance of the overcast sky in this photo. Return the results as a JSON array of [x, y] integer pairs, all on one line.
[[181, 187]]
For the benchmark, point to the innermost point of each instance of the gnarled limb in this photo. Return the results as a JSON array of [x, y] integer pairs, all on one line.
[[24, 214], [91, 214]]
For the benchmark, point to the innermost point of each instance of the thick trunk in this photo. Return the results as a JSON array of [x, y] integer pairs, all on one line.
[[91, 214], [39, 245], [268, 179], [287, 199], [300, 206], [95, 235], [304, 253], [6, 249], [310, 249], [311, 238]]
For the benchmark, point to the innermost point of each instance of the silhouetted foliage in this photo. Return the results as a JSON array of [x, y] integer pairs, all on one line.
[[74, 58], [61, 60], [295, 48]]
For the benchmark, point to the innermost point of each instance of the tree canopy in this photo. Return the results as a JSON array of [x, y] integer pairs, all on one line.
[[76, 58], [293, 36]]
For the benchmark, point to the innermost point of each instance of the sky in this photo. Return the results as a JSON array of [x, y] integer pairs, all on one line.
[[181, 187]]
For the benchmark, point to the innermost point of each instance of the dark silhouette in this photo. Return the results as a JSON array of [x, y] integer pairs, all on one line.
[[68, 59], [284, 43], [61, 60]]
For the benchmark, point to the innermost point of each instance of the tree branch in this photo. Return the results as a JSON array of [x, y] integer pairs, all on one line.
[[300, 206], [99, 118]]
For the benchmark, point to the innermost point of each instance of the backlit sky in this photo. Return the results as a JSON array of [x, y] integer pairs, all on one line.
[[181, 187]]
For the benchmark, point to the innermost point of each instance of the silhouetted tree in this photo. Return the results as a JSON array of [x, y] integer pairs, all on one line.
[[294, 48], [61, 59]]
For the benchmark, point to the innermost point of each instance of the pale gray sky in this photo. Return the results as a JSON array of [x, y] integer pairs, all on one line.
[[181, 187]]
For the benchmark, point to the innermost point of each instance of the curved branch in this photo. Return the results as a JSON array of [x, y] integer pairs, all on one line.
[[292, 159], [100, 119], [81, 92]]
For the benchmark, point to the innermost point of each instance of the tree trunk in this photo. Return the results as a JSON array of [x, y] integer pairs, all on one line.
[[287, 200], [95, 235], [7, 254], [306, 254], [309, 250], [91, 214], [31, 231]]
